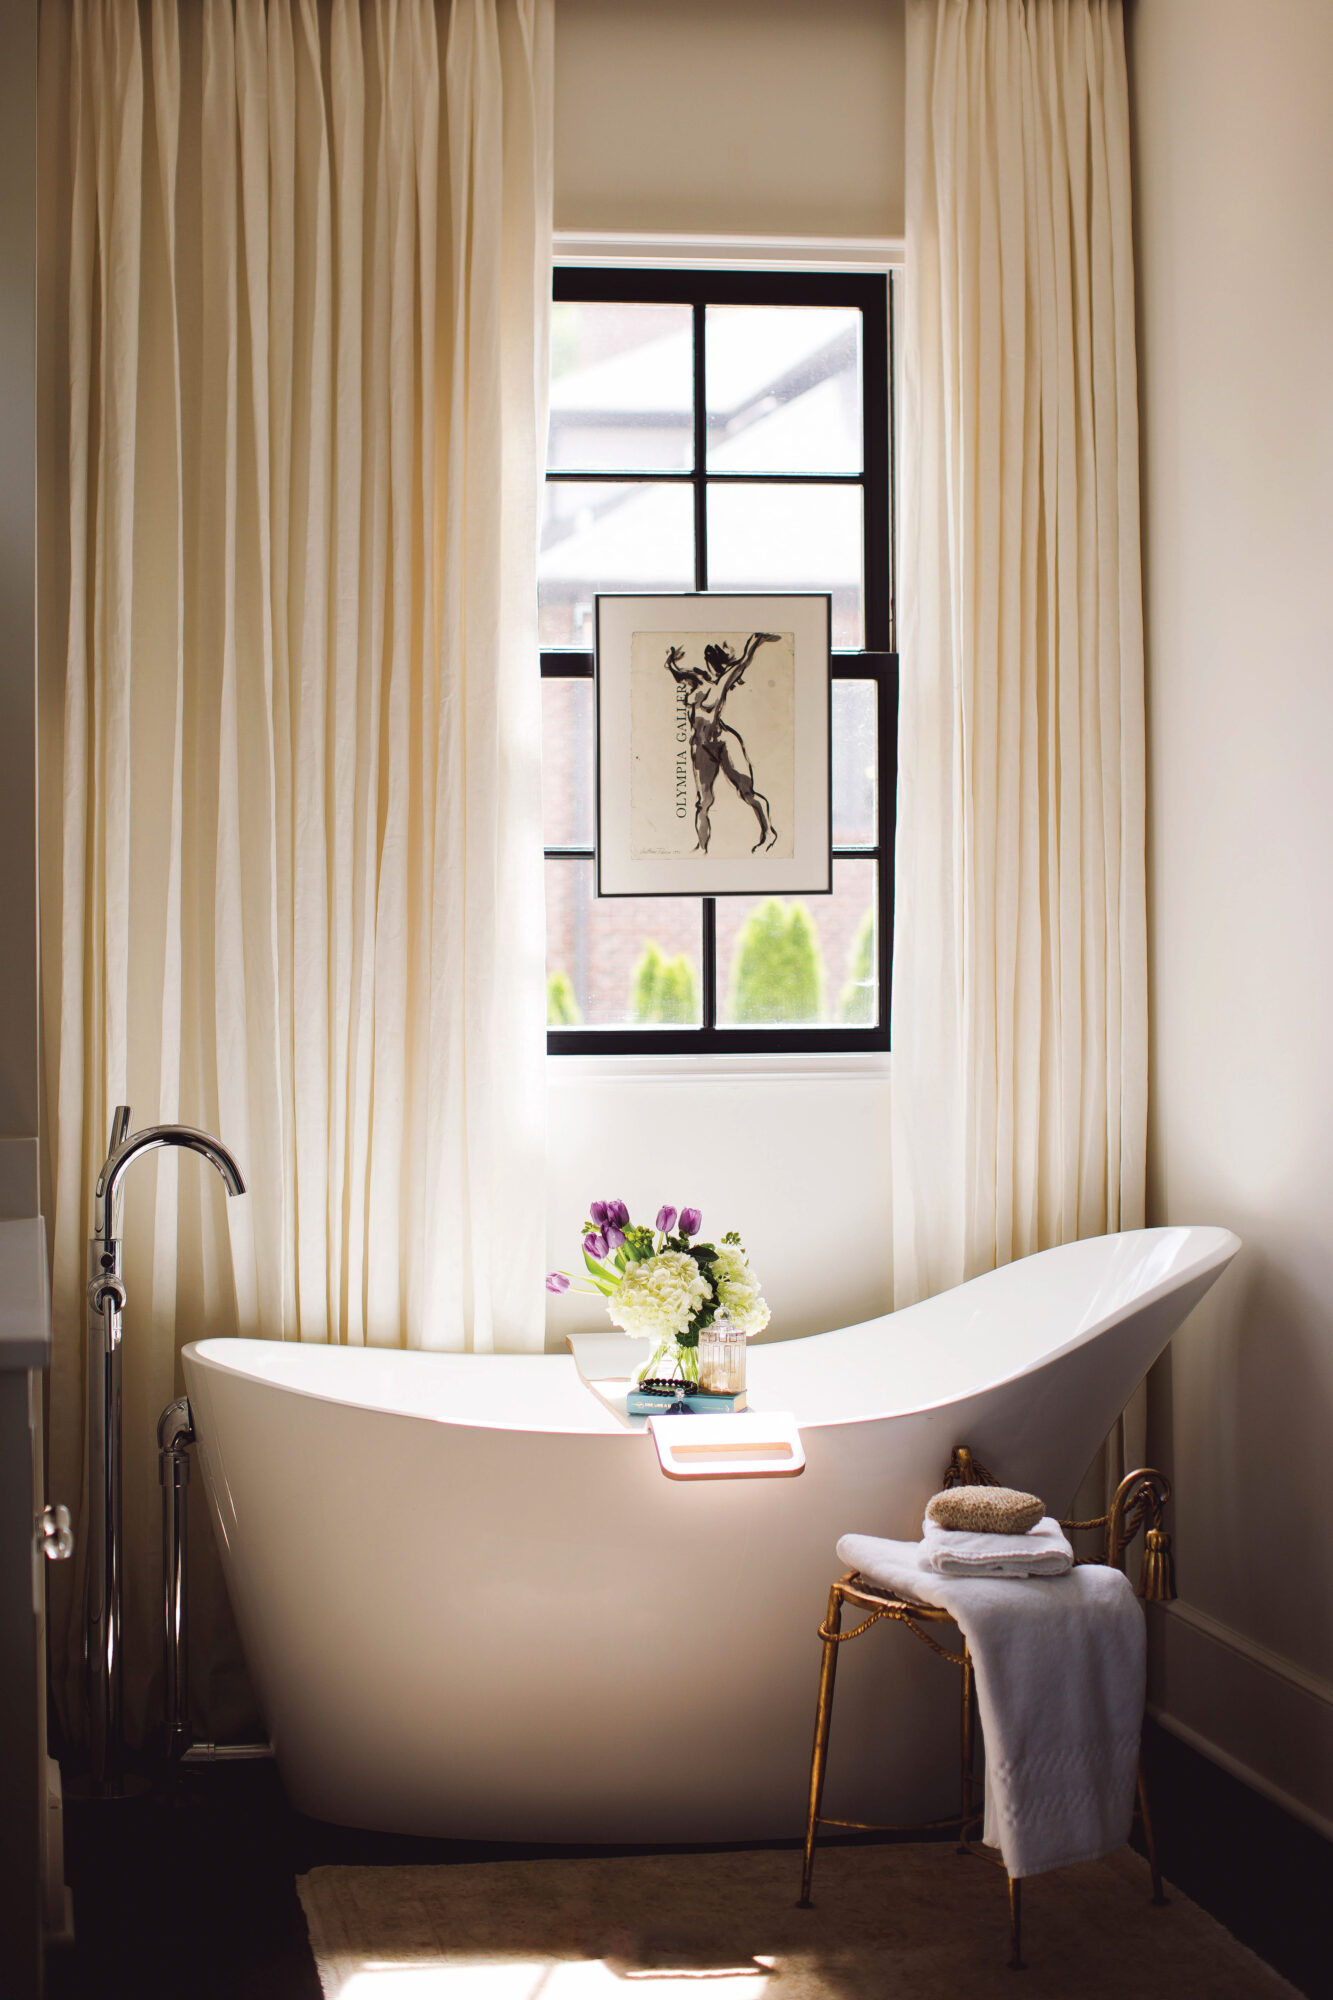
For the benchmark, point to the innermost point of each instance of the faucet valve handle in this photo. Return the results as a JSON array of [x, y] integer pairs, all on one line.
[[103, 1290], [55, 1536]]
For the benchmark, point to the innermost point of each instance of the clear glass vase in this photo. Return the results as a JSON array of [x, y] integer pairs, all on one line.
[[722, 1357], [673, 1361]]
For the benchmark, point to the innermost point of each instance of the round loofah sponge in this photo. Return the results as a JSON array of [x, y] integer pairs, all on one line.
[[986, 1510]]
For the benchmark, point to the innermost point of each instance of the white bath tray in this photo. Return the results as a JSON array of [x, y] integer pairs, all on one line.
[[756, 1444]]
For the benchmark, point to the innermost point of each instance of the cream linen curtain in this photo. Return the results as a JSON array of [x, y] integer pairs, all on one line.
[[1019, 1008], [294, 341]]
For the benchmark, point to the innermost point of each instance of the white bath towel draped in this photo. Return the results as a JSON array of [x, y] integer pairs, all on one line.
[[1019, 989], [293, 330], [1061, 1666]]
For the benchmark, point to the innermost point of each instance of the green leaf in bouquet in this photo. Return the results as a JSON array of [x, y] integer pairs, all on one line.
[[604, 1282], [704, 1255]]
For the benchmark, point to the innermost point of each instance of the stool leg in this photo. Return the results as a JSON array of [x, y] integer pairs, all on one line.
[[965, 1800], [828, 1668], [1159, 1898], [1016, 1925]]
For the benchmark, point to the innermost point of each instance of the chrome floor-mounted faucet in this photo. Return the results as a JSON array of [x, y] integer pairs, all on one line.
[[106, 1307]]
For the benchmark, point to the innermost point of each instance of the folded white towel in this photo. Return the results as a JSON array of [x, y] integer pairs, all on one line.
[[1060, 1669], [1042, 1551]]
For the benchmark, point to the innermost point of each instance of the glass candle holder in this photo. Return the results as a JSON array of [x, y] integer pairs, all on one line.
[[722, 1358]]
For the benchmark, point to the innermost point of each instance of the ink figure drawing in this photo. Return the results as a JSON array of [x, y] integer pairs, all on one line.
[[712, 744]]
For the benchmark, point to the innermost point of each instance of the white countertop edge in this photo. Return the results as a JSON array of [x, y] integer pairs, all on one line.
[[25, 1299]]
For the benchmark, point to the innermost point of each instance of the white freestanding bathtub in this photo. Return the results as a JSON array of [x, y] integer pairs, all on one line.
[[472, 1604]]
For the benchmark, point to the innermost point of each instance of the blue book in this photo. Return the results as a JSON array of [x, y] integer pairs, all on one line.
[[698, 1402]]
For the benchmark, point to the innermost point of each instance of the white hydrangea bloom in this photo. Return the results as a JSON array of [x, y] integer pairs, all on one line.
[[659, 1296], [749, 1313], [738, 1289], [731, 1266]]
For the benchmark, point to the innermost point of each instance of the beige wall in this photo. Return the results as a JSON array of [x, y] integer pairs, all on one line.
[[21, 1721], [18, 833], [729, 117], [1234, 163]]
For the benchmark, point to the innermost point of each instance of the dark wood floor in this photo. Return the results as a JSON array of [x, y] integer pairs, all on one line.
[[197, 1899]]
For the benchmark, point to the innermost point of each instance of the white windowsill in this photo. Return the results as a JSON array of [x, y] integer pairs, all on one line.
[[840, 1066], [729, 253]]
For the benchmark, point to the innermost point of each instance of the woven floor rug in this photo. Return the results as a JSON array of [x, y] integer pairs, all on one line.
[[920, 1922]]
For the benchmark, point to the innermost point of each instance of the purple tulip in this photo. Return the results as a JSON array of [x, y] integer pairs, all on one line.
[[598, 1212], [557, 1282], [618, 1214], [691, 1222], [615, 1237], [595, 1244], [666, 1220]]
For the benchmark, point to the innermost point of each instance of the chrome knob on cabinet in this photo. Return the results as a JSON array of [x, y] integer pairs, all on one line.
[[55, 1536]]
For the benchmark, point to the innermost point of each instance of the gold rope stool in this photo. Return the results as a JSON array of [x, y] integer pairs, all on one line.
[[1139, 1503]]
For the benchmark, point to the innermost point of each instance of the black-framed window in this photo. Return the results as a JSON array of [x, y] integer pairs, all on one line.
[[732, 430]]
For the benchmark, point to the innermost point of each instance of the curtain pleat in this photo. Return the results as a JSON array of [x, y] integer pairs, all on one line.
[[1019, 995], [294, 295]]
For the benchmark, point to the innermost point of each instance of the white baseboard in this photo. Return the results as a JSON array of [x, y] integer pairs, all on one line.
[[1261, 1717]]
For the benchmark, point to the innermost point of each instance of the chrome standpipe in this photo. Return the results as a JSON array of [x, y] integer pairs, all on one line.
[[175, 1435], [106, 1306]]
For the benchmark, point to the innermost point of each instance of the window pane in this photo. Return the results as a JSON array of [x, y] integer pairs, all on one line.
[[801, 961], [619, 961], [608, 535], [790, 538], [567, 763], [855, 765], [784, 388], [622, 388]]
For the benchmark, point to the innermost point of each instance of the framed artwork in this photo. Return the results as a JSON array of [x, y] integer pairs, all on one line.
[[713, 773]]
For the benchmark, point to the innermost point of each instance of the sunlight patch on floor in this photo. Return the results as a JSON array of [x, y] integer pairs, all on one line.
[[430, 1979], [526, 1979]]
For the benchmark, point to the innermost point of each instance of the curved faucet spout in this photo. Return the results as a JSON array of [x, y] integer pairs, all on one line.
[[152, 1136]]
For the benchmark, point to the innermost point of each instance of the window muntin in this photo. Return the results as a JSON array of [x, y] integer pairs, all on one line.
[[772, 473]]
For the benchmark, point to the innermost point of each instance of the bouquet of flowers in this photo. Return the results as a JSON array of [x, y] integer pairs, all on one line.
[[666, 1283]]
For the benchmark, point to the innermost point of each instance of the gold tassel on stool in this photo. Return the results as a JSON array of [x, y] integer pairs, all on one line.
[[1157, 1572]]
